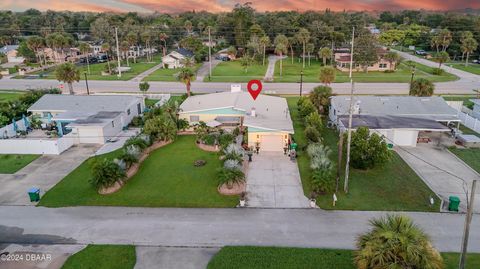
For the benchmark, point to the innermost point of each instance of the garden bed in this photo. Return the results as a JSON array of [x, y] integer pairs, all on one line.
[[209, 148]]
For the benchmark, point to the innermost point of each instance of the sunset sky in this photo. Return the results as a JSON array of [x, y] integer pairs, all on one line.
[[176, 6]]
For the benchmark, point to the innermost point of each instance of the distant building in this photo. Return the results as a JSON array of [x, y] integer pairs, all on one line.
[[342, 59], [176, 59], [11, 51], [373, 29]]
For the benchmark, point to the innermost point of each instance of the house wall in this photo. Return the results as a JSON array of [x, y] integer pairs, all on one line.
[[35, 146], [381, 65], [210, 115], [110, 131], [255, 136]]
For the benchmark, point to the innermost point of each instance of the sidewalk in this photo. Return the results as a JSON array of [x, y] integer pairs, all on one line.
[[141, 76]]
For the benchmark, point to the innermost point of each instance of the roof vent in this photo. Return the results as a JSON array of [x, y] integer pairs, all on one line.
[[253, 113]]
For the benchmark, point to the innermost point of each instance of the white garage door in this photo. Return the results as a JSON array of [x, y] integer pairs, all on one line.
[[405, 138], [271, 143]]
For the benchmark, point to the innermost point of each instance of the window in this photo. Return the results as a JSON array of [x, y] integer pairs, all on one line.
[[128, 111], [113, 123], [45, 114], [139, 109], [194, 118], [382, 65]]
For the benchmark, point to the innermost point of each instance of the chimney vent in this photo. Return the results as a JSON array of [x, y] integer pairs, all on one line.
[[253, 113]]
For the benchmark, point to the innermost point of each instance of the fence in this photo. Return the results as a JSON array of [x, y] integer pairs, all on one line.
[[35, 146], [8, 131], [468, 117]]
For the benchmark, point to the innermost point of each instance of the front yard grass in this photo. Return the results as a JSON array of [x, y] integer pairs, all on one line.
[[251, 257], [291, 73], [163, 74], [103, 256], [11, 163], [6, 95], [470, 156], [393, 187], [167, 178], [233, 71], [471, 68]]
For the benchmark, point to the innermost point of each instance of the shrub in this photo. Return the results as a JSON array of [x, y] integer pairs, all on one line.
[[438, 71], [313, 119], [231, 164], [209, 139], [225, 139], [161, 127], [230, 177], [389, 71], [319, 157], [106, 173], [233, 152], [182, 124], [129, 158], [137, 121], [312, 134], [236, 131], [306, 107], [368, 150], [320, 97], [138, 141], [322, 181]]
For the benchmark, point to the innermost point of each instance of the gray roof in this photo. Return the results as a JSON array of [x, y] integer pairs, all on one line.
[[393, 122], [7, 48], [271, 111], [434, 108], [100, 118], [475, 101], [83, 103]]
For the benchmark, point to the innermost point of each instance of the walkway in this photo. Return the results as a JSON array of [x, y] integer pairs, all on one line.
[[210, 227], [120, 140], [141, 76], [440, 182], [203, 71], [273, 181], [270, 74], [42, 173]]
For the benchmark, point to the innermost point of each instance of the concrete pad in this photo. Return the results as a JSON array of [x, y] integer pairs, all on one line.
[[43, 173], [273, 181], [46, 256], [173, 257]]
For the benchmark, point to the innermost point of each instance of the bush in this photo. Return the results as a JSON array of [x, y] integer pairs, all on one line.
[[389, 71], [230, 177], [306, 107], [314, 120], [137, 121], [233, 152], [106, 173], [322, 181], [136, 141], [368, 150], [129, 158], [182, 124], [209, 139], [225, 139], [438, 71], [312, 134], [231, 164]]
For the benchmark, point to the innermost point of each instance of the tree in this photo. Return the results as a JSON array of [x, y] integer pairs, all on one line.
[[320, 97], [26, 52], [106, 49], [246, 61], [264, 42], [163, 37], [230, 176], [327, 75], [144, 86], [468, 45], [310, 49], [131, 40], [421, 87], [315, 120], [186, 75], [242, 20], [395, 241], [105, 174], [305, 107], [85, 50], [365, 51], [303, 36], [281, 42], [391, 37], [68, 73], [125, 47], [36, 44], [445, 37], [325, 53], [392, 57], [161, 127], [368, 150], [442, 57]]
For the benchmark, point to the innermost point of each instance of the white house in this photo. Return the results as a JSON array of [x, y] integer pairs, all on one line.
[[91, 118], [267, 118], [11, 51], [176, 59], [402, 120]]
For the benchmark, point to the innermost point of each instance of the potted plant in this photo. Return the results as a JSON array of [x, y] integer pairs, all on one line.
[[243, 199], [257, 146], [313, 200], [250, 154]]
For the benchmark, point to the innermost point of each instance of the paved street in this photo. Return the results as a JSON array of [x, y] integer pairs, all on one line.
[[183, 227]]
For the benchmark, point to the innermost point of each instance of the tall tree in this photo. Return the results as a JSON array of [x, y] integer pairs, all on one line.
[[163, 37], [68, 73], [186, 75], [392, 57], [320, 97], [325, 53], [106, 49], [242, 16], [124, 48], [37, 45], [421, 87], [132, 40], [85, 50], [327, 74], [281, 42], [303, 36], [365, 51], [442, 57], [264, 41], [468, 45], [310, 48]]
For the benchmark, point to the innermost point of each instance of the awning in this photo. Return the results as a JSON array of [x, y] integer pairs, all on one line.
[[213, 123], [227, 119]]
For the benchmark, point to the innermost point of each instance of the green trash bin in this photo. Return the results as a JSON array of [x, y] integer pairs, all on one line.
[[34, 194], [454, 203]]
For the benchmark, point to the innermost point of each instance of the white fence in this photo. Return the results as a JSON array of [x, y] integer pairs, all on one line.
[[8, 131], [35, 146], [468, 117]]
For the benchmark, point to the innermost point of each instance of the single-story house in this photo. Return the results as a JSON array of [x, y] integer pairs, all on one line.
[[267, 118], [176, 59], [11, 51], [402, 120], [91, 118], [342, 60]]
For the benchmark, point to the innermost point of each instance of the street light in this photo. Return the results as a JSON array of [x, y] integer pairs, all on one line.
[[86, 82], [301, 82]]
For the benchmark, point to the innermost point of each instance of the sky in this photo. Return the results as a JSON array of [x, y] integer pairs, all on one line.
[[177, 6]]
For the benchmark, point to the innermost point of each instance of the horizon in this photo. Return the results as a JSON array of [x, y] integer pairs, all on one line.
[[173, 7]]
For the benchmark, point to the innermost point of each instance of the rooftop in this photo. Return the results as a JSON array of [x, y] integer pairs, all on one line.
[[393, 122], [7, 48]]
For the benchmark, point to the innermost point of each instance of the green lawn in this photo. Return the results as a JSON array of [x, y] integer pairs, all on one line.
[[291, 73], [11, 163], [102, 256], [166, 179], [150, 102], [233, 71], [471, 68], [393, 187], [168, 74], [469, 156], [9, 95], [249, 257]]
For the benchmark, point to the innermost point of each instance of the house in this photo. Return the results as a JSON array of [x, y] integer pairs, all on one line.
[[372, 28], [402, 120], [176, 59], [342, 59], [266, 119], [11, 51], [88, 119]]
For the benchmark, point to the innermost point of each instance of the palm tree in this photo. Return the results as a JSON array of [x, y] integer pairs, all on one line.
[[132, 40], [264, 41], [442, 57], [310, 49], [392, 57], [303, 36], [68, 73], [186, 76], [36, 44], [325, 53], [147, 38], [320, 97], [421, 87], [246, 61], [468, 46], [85, 50], [327, 75], [163, 37], [125, 47], [290, 42], [106, 49], [396, 242], [144, 86], [281, 43]]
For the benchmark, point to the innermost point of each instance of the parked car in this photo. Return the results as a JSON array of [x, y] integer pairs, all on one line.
[[102, 58], [421, 52], [222, 58]]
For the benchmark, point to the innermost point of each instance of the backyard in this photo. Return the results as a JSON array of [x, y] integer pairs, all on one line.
[[103, 256], [167, 178], [291, 73], [233, 71], [163, 74], [283, 257], [395, 186], [11, 163]]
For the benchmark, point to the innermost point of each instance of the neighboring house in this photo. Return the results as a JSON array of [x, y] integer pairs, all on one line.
[[96, 47], [267, 118], [476, 108], [373, 29], [342, 59], [91, 118], [176, 59], [402, 120], [11, 51]]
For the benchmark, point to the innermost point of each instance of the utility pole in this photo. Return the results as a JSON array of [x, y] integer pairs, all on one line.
[[301, 82], [86, 83], [466, 231], [350, 112], [118, 54], [209, 54], [413, 74]]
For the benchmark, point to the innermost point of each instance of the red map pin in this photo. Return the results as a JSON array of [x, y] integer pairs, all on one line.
[[254, 91]]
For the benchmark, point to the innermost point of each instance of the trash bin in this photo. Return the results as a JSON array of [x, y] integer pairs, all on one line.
[[454, 203], [34, 194]]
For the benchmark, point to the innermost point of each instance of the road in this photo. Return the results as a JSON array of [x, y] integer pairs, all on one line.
[[202, 227]]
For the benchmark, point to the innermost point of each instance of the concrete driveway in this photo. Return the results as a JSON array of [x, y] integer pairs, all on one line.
[[42, 173], [441, 182], [173, 257], [273, 181]]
